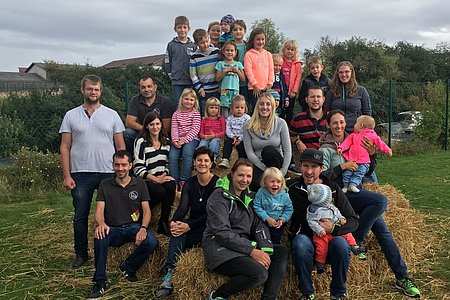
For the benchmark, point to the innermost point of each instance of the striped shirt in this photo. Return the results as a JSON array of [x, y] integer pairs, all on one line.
[[148, 160], [185, 125], [308, 129], [202, 72]]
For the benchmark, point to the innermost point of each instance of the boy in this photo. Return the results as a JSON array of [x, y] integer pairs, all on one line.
[[202, 68], [239, 29], [225, 24], [279, 84], [178, 54], [315, 78]]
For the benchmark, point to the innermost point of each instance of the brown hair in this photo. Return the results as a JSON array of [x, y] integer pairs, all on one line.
[[92, 78], [181, 20], [199, 34], [335, 84], [241, 162]]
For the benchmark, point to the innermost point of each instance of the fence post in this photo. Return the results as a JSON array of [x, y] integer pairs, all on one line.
[[446, 116], [390, 113]]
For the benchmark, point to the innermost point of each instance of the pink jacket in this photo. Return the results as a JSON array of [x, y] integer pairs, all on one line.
[[352, 148], [212, 125], [295, 77], [258, 67]]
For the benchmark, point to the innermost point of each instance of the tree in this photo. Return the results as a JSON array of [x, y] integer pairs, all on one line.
[[274, 39]]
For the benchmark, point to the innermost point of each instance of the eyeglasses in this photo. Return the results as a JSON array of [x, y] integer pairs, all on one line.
[[344, 72]]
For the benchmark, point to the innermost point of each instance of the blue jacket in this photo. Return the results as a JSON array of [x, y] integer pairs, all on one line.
[[275, 206]]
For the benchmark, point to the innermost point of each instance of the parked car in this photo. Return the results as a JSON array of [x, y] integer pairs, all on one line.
[[403, 125]]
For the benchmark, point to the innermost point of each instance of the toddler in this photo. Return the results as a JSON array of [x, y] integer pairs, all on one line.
[[225, 24], [212, 127], [351, 148], [321, 207], [272, 203]]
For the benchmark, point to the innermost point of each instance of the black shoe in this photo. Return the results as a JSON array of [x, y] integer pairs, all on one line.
[[97, 291], [77, 262], [320, 268], [163, 228], [128, 275], [294, 169]]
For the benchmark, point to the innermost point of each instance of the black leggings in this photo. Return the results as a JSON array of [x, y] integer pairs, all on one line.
[[164, 193], [270, 158]]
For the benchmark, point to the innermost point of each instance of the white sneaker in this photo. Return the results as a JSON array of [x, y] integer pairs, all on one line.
[[224, 164], [344, 189], [353, 188]]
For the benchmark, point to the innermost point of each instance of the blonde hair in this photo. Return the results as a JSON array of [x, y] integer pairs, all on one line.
[[277, 58], [254, 124], [315, 60], [275, 173], [367, 121], [291, 44], [212, 101], [239, 98], [190, 92]]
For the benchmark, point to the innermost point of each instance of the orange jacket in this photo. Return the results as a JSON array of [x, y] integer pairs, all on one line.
[[258, 67], [296, 76]]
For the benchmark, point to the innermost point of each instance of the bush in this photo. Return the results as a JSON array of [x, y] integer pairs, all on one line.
[[12, 135]]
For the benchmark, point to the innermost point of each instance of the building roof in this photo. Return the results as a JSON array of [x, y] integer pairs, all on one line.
[[152, 60], [20, 77]]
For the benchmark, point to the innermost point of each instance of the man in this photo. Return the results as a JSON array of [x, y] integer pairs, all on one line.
[[311, 165], [147, 101], [123, 215], [90, 133]]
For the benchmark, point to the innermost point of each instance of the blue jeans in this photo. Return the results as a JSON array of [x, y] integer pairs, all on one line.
[[370, 207], [349, 177], [129, 135], [117, 237], [187, 153], [213, 144], [177, 90], [302, 250], [180, 243], [86, 184]]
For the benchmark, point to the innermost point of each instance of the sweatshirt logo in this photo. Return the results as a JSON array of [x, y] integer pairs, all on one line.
[[133, 195]]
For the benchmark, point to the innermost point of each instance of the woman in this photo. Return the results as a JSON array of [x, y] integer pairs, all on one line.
[[236, 242], [188, 232], [345, 94], [151, 155], [266, 139], [370, 206]]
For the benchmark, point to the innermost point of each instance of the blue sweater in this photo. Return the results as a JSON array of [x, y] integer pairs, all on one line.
[[275, 206]]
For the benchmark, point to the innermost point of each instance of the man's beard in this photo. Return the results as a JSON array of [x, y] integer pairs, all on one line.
[[91, 102]]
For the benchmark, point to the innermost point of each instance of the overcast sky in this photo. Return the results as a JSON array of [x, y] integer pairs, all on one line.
[[97, 32]]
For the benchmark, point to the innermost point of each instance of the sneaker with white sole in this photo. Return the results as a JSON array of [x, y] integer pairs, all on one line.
[[408, 287], [97, 291], [224, 163]]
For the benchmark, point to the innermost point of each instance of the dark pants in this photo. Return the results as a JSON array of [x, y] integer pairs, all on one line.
[[228, 148], [180, 243], [287, 113], [246, 273], [270, 158], [117, 237], [86, 184], [276, 233], [164, 193]]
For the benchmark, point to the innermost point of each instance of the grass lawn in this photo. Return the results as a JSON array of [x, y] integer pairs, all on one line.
[[37, 238]]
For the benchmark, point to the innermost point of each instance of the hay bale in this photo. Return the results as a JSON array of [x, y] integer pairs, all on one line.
[[191, 280]]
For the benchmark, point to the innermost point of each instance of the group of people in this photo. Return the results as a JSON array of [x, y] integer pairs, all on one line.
[[326, 208]]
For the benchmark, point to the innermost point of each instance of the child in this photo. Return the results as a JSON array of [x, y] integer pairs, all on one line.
[[279, 84], [212, 127], [258, 65], [352, 149], [315, 78], [225, 23], [229, 72], [178, 53], [292, 72], [321, 207], [275, 96], [235, 123], [201, 68], [214, 31], [239, 29], [185, 129], [272, 202]]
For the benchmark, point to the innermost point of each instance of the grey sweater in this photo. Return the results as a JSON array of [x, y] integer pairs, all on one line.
[[254, 143]]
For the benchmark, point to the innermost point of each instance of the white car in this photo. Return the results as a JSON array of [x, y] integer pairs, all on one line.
[[403, 125]]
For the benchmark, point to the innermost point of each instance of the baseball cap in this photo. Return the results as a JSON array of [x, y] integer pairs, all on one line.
[[312, 155]]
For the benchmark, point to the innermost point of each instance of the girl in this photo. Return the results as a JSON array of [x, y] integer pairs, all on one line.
[[151, 154], [258, 66], [185, 129], [272, 203], [212, 127], [228, 73], [214, 32], [291, 68]]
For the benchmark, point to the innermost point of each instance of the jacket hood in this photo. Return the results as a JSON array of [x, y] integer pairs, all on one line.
[[328, 141]]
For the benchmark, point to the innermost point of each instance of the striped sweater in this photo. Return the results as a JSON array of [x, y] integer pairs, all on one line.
[[185, 125], [202, 72], [148, 160]]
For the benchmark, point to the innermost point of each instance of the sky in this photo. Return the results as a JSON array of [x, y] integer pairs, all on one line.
[[98, 32]]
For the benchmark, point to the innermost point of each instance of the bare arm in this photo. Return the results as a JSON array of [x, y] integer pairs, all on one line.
[[119, 142], [64, 149], [146, 215], [131, 122], [167, 124], [102, 229]]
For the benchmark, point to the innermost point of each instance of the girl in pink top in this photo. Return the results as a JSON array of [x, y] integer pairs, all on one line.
[[212, 127], [352, 150], [258, 65], [185, 129], [291, 68]]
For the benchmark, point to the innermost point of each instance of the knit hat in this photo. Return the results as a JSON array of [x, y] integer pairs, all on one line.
[[274, 94], [319, 194], [227, 19]]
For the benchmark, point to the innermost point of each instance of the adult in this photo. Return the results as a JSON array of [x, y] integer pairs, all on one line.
[[370, 206], [236, 242], [345, 94], [266, 139], [151, 156], [122, 215], [90, 133], [187, 232], [140, 105], [302, 248]]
